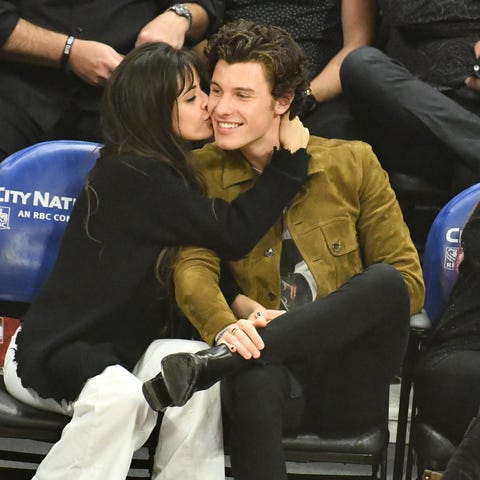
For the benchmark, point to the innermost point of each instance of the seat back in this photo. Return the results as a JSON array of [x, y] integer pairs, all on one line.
[[38, 187], [443, 242]]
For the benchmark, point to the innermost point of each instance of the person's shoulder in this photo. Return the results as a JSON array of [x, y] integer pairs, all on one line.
[[336, 145], [327, 152], [128, 172], [131, 164]]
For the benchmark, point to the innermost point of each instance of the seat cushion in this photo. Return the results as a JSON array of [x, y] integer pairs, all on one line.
[[371, 443], [18, 420]]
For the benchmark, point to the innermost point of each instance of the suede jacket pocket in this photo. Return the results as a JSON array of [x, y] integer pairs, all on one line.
[[342, 242]]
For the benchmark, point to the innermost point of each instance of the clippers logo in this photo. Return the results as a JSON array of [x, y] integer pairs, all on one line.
[[450, 257], [453, 235], [4, 218]]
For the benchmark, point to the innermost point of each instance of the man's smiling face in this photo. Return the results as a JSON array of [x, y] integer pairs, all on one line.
[[244, 113]]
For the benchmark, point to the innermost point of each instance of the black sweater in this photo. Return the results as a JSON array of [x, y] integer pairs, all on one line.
[[102, 304]]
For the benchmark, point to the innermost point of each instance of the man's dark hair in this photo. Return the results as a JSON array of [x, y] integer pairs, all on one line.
[[284, 60]]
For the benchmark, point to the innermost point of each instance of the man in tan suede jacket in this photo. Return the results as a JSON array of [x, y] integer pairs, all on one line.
[[346, 218], [340, 260]]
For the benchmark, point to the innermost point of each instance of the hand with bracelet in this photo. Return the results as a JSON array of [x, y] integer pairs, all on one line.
[[92, 61]]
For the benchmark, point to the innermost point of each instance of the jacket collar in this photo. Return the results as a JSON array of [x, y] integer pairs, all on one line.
[[237, 170]]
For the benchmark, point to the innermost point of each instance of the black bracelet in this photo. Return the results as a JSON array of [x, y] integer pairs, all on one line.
[[66, 51]]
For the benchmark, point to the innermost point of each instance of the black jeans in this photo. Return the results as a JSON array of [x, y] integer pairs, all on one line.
[[326, 367], [412, 127], [447, 389]]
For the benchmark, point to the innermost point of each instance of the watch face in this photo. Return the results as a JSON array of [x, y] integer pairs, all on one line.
[[181, 10]]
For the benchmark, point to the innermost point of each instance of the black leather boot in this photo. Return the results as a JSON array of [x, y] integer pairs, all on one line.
[[185, 373], [465, 462], [156, 393]]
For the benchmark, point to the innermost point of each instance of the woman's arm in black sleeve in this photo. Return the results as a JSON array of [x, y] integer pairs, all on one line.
[[139, 197], [187, 217]]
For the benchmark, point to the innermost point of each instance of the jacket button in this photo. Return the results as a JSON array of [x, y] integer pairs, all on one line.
[[269, 252], [337, 246], [272, 296]]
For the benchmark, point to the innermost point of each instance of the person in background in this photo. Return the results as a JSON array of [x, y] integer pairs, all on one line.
[[327, 31], [55, 56], [101, 323], [340, 261], [447, 375], [417, 102]]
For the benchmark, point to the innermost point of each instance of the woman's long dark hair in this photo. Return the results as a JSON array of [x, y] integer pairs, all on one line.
[[138, 103], [136, 113]]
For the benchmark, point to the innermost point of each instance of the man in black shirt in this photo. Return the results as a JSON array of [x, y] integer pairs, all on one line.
[[55, 55], [417, 104]]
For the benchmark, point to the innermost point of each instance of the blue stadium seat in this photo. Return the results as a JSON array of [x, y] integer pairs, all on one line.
[[38, 186], [441, 250]]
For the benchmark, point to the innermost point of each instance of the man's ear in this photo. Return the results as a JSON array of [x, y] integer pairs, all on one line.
[[282, 104]]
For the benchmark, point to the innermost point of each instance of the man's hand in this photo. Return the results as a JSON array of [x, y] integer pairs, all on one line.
[[243, 337], [167, 27], [473, 81], [92, 61]]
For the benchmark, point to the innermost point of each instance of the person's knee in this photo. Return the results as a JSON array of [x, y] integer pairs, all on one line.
[[130, 401], [356, 60], [389, 277], [115, 392], [391, 291], [354, 69]]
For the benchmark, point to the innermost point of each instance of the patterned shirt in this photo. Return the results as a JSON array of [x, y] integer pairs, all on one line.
[[315, 24]]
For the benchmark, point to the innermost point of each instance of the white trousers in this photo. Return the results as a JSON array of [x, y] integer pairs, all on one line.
[[111, 419]]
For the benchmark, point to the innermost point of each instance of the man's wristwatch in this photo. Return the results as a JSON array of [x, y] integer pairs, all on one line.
[[309, 103], [182, 11]]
